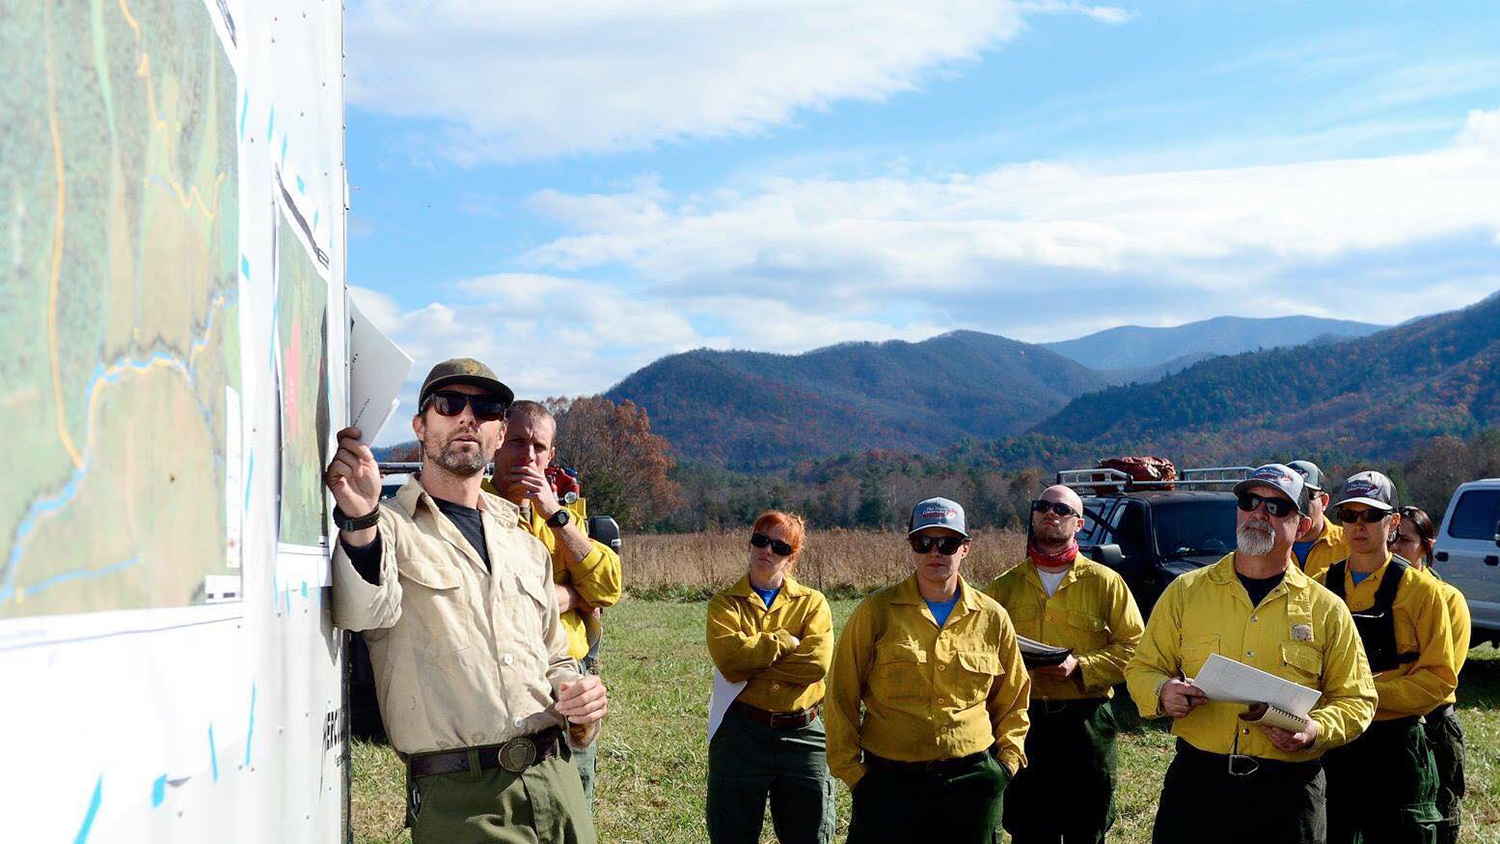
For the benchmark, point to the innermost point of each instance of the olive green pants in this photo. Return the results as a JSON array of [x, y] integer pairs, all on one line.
[[1262, 802], [952, 807], [1066, 793], [1446, 738], [749, 762], [1382, 787], [586, 758], [542, 805]]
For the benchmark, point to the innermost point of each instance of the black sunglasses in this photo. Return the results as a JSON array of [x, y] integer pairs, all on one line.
[[1057, 507], [1275, 507], [451, 403], [944, 544], [779, 548], [1368, 515]]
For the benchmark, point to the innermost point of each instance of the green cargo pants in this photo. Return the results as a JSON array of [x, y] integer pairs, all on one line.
[[586, 758], [542, 805], [952, 806], [1446, 738], [749, 762], [1066, 793], [1382, 787]]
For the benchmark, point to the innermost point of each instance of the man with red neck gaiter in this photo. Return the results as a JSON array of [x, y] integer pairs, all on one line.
[[1062, 598]]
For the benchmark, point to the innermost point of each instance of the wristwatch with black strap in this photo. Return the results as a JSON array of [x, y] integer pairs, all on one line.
[[560, 518], [346, 522]]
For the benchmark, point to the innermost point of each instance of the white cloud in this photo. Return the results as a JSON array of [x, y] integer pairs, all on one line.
[[1037, 252], [829, 243], [526, 80]]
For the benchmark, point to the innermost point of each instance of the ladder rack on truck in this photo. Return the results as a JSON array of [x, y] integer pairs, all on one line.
[[1091, 481]]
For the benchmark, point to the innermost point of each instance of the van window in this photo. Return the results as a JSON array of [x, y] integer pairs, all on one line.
[[1475, 514]]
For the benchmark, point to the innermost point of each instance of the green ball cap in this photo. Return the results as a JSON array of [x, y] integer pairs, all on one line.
[[464, 371]]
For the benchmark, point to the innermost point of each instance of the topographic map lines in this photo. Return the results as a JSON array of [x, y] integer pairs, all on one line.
[[119, 345]]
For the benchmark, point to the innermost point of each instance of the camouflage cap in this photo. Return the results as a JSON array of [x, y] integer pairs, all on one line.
[[463, 371]]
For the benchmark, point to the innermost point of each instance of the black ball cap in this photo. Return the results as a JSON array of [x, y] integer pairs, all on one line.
[[463, 371]]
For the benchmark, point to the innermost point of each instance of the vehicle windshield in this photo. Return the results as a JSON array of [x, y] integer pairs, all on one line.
[[1193, 528]]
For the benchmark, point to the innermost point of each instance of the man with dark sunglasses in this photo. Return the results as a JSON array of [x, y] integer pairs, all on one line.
[[1383, 787], [926, 704], [471, 662], [585, 572], [1064, 599], [1323, 543], [1257, 607]]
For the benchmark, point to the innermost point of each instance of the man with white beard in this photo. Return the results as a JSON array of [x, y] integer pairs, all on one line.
[[1255, 606]]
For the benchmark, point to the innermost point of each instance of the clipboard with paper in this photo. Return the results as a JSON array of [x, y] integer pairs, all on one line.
[[1272, 700]]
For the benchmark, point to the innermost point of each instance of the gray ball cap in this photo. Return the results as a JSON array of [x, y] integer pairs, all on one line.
[[1280, 477], [1312, 476], [463, 371], [1370, 488], [937, 512]]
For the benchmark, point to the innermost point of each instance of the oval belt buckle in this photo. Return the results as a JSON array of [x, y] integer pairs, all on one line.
[[517, 754]]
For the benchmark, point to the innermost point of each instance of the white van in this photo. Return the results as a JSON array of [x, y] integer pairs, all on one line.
[[1467, 553]]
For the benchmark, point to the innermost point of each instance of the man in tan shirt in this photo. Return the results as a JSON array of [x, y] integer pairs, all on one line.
[[471, 661]]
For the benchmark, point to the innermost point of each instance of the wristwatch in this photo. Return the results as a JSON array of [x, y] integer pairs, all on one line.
[[560, 519], [344, 522]]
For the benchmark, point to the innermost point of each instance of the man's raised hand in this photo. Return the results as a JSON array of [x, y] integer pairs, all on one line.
[[353, 476]]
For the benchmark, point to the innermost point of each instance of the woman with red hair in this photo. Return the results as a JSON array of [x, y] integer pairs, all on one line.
[[776, 636]]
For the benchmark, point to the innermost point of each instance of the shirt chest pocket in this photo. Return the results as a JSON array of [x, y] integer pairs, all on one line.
[[899, 672], [975, 676], [522, 607], [1196, 651], [1301, 663], [434, 607], [1087, 631]]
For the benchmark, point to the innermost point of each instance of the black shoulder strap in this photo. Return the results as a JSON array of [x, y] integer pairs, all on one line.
[[1335, 579], [1385, 596]]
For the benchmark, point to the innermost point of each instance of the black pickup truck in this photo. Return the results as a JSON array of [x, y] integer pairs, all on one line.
[[1150, 533]]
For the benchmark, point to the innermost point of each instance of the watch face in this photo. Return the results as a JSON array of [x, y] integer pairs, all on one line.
[[560, 518]]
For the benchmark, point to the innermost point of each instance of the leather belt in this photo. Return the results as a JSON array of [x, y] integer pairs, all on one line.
[[1441, 712], [1405, 722], [1242, 765], [515, 756], [775, 720], [1077, 706], [936, 766]]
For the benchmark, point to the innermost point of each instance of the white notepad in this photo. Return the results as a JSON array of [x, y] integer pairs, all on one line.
[[724, 694], [1224, 679]]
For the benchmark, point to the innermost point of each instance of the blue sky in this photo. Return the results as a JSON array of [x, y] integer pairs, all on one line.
[[570, 191]]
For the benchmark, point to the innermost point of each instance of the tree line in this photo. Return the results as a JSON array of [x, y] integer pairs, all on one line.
[[629, 472]]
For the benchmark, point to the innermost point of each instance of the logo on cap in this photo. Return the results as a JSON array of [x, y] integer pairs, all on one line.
[[1360, 488], [937, 513], [1268, 473]]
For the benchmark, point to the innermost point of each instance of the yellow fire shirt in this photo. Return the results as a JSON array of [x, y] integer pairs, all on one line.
[[751, 642]]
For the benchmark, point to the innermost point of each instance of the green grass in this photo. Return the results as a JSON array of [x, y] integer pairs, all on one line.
[[653, 752]]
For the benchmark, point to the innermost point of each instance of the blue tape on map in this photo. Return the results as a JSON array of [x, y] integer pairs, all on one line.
[[213, 752], [158, 791], [93, 812], [250, 732]]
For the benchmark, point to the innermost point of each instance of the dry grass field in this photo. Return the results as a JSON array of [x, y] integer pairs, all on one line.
[[653, 753], [838, 563]]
